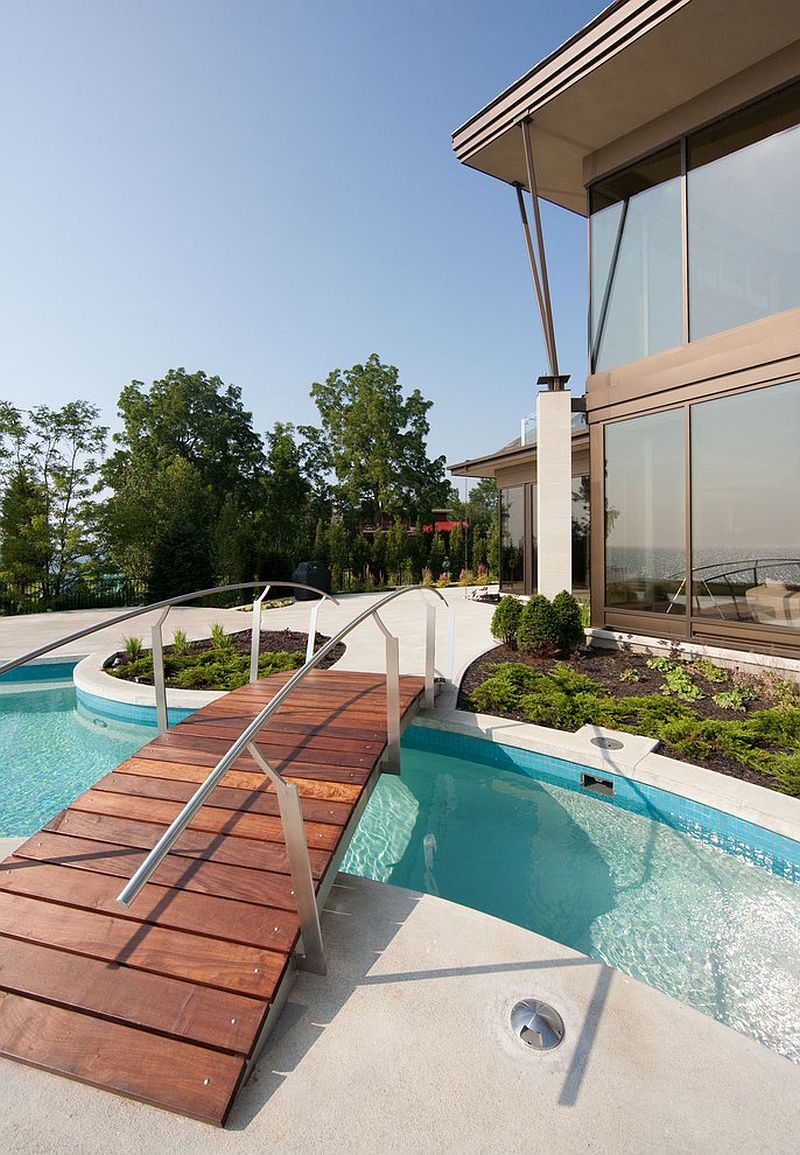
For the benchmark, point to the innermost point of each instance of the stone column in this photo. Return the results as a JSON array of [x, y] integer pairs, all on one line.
[[554, 491]]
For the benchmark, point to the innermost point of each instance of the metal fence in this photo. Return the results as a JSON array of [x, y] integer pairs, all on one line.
[[85, 593]]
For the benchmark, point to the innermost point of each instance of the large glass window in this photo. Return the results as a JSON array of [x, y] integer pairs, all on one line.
[[744, 239], [580, 533], [636, 293], [746, 506], [512, 538], [645, 543]]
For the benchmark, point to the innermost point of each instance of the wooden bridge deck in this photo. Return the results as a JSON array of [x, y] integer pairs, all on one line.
[[165, 1001]]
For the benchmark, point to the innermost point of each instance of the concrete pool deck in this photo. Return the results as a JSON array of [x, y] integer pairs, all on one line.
[[405, 1047]]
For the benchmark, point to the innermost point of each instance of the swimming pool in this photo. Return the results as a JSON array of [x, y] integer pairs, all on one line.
[[686, 913], [52, 749]]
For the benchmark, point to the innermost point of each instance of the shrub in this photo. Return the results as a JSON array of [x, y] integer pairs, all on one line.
[[706, 669], [735, 699], [219, 639], [663, 665], [444, 579], [630, 674], [505, 620], [568, 618], [681, 684], [538, 631], [133, 647], [427, 577], [180, 644]]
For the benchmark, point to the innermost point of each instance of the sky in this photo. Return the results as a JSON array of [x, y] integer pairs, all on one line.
[[267, 191]]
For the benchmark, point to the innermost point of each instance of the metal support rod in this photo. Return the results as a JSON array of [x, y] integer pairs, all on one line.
[[312, 631], [159, 681], [255, 634], [612, 270], [392, 760], [430, 655], [537, 220], [534, 273], [451, 644], [294, 833]]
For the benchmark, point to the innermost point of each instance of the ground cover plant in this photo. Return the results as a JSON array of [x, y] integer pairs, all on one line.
[[744, 725], [221, 662]]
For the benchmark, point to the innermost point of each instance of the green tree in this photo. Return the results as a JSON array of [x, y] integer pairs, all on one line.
[[339, 554], [396, 551], [49, 460], [188, 438], [373, 440], [285, 517], [436, 556], [378, 564], [456, 554], [493, 549], [483, 507], [478, 549]]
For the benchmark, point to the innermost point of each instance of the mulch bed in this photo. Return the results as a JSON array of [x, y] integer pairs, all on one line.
[[605, 667]]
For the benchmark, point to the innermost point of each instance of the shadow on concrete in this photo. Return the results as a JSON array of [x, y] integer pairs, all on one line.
[[354, 943]]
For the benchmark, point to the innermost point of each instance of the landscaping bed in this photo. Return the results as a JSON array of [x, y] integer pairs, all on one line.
[[221, 662], [751, 731]]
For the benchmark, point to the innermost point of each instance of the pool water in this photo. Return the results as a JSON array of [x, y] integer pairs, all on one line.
[[51, 750], [716, 932]]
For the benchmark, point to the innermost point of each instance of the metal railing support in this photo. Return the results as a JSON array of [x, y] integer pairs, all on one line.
[[312, 630], [392, 758], [255, 634], [159, 681], [430, 655], [294, 834]]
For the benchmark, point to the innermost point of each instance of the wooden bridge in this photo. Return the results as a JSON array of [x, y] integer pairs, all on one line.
[[168, 1001]]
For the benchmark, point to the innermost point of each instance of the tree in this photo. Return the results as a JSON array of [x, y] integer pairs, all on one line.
[[373, 440], [436, 556], [285, 517], [482, 509], [493, 549], [456, 555], [49, 459], [396, 551], [186, 440]]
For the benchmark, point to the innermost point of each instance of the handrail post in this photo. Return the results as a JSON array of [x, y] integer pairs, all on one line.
[[255, 634], [313, 957], [451, 644], [159, 681], [430, 655], [312, 630], [392, 704]]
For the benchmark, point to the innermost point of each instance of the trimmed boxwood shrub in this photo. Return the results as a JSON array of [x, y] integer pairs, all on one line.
[[505, 620], [538, 631], [568, 618]]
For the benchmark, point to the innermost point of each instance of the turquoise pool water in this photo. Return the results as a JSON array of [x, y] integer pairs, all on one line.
[[51, 749], [706, 926]]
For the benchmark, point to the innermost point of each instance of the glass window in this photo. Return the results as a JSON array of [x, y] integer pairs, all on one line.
[[512, 538], [636, 283], [645, 546], [744, 240], [580, 533], [745, 507]]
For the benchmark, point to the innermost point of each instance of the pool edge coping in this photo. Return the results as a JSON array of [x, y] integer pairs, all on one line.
[[778, 813]]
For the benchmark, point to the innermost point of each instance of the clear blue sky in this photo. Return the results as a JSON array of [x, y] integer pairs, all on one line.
[[267, 191]]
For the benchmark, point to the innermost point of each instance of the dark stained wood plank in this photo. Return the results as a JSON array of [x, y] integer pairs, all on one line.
[[212, 819], [239, 779], [349, 775], [207, 961], [278, 749], [271, 890], [183, 1010], [228, 919], [259, 801], [134, 1063], [244, 852]]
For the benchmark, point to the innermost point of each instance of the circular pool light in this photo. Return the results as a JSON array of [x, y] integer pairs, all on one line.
[[607, 743], [537, 1024]]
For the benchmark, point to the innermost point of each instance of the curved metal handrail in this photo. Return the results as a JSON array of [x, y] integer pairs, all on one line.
[[166, 603], [288, 795]]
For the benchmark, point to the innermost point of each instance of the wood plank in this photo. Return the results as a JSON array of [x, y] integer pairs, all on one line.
[[207, 961], [273, 748], [228, 730], [258, 801], [349, 775], [271, 890], [228, 919], [212, 819], [240, 779], [244, 852], [183, 1010], [134, 1063]]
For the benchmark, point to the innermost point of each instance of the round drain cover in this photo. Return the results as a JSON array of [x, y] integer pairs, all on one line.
[[607, 743], [539, 1025]]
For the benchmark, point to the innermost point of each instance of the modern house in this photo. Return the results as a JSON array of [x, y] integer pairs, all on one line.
[[673, 126]]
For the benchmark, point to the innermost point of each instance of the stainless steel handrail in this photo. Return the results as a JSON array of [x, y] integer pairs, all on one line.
[[166, 604], [288, 795]]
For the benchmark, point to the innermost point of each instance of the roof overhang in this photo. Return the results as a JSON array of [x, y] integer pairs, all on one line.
[[632, 64]]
